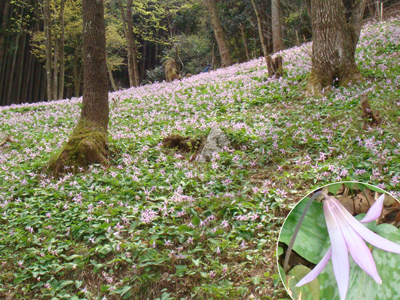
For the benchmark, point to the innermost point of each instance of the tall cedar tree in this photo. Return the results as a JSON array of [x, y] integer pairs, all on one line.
[[226, 59], [88, 143], [47, 30], [134, 79], [336, 26]]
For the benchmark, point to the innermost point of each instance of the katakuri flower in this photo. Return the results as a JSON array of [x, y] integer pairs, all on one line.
[[347, 234]]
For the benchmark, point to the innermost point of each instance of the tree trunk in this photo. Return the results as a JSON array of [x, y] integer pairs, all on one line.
[[336, 30], [226, 59], [77, 77], [27, 91], [20, 71], [143, 63], [244, 42], [135, 81], [47, 32], [55, 66], [3, 39], [156, 59], [62, 55], [262, 40], [129, 49], [276, 26], [88, 143], [95, 90], [11, 82], [110, 75]]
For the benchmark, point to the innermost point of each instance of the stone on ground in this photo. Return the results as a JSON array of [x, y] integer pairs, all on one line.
[[215, 142]]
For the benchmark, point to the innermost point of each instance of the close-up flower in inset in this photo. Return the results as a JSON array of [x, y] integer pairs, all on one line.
[[347, 234]]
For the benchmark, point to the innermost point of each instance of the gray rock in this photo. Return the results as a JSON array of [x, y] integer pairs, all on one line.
[[215, 142]]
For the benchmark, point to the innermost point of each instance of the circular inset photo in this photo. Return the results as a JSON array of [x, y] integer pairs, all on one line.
[[340, 242]]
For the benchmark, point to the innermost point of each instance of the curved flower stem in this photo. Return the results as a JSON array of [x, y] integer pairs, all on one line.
[[296, 231]]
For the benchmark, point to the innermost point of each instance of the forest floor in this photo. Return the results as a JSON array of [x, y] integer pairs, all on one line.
[[156, 224]]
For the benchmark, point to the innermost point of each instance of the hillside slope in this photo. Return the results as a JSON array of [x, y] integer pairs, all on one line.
[[157, 224]]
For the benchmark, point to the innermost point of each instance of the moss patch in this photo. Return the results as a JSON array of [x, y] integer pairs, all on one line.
[[86, 146]]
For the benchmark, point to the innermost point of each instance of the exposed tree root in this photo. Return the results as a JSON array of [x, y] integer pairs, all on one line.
[[320, 84], [367, 113], [274, 66], [6, 140], [186, 144]]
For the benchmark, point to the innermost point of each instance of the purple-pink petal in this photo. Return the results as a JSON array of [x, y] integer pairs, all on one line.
[[340, 257], [358, 249], [317, 269], [368, 235], [374, 211]]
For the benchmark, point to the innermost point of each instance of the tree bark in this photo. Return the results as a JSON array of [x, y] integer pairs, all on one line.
[[11, 82], [61, 51], [20, 71], [47, 31], [129, 49], [336, 31], [77, 77], [259, 23], [27, 91], [110, 75], [134, 71], [143, 62], [95, 91], [244, 41], [55, 65], [276, 26], [3, 39], [226, 59], [88, 143]]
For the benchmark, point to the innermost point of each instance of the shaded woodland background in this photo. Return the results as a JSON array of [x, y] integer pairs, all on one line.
[[161, 29]]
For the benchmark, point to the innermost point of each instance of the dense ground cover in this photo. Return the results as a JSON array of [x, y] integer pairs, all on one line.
[[157, 224]]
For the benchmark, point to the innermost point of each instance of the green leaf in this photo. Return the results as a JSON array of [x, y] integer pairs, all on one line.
[[78, 284], [350, 185], [361, 186], [104, 288], [196, 262], [312, 234], [65, 283], [375, 189], [195, 221], [309, 291], [333, 188], [97, 268], [122, 290], [105, 249]]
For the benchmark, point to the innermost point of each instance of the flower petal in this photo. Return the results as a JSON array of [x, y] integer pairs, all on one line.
[[358, 249], [317, 269], [374, 211], [340, 257], [368, 235]]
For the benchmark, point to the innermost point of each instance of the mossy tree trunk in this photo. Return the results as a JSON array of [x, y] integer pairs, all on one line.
[[88, 142], [336, 28]]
